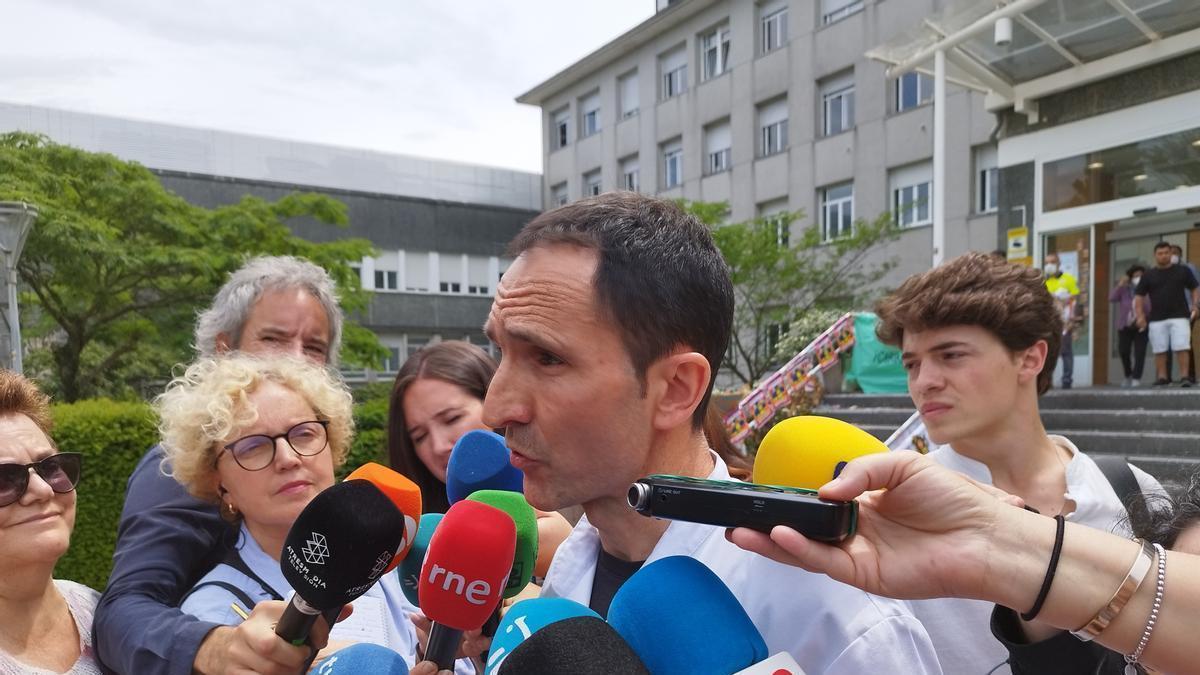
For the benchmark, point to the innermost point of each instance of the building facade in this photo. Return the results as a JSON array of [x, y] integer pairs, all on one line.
[[440, 227], [773, 106]]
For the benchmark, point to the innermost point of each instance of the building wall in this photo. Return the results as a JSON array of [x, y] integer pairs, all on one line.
[[880, 141]]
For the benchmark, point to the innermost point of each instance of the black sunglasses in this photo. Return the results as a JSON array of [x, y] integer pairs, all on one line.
[[61, 472]]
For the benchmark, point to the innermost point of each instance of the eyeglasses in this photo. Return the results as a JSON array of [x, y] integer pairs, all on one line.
[[256, 452], [61, 472]]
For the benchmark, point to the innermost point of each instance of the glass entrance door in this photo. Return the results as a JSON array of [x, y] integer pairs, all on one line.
[[1123, 255]]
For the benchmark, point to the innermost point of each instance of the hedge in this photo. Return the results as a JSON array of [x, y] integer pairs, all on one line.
[[113, 436]]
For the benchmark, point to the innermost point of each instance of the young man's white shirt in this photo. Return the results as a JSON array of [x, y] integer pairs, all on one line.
[[961, 629], [828, 627]]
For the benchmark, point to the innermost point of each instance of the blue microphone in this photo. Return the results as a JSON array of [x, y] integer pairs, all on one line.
[[410, 567], [526, 618], [480, 461], [681, 619], [362, 658]]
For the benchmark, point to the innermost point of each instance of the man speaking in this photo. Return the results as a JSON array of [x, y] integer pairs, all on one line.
[[613, 320]]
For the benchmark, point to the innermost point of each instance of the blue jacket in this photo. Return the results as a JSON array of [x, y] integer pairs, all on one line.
[[166, 541]]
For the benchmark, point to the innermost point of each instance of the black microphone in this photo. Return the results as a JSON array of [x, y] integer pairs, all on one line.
[[581, 645], [339, 546]]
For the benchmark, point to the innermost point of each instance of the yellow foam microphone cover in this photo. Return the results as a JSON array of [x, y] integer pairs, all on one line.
[[809, 451]]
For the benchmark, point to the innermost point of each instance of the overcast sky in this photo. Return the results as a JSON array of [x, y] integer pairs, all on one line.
[[435, 78]]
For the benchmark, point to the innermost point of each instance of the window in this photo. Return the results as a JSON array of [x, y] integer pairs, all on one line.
[[478, 275], [591, 183], [714, 52], [912, 195], [416, 271], [717, 141], [673, 66], [392, 363], [772, 127], [558, 138], [357, 269], [672, 154], [773, 26], [414, 343], [386, 280], [837, 211], [627, 89], [836, 10], [837, 102], [913, 89], [629, 174], [450, 287], [558, 195], [986, 179], [590, 121], [773, 333], [775, 213]]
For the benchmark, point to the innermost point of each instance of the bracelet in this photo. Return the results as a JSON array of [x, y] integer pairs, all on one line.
[[1060, 528], [1133, 580], [1131, 659]]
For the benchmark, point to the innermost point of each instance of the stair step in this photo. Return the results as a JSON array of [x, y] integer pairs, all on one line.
[[1168, 421]]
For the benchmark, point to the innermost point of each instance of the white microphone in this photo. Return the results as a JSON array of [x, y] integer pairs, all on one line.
[[780, 664]]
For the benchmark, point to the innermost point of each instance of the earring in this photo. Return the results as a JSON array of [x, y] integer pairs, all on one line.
[[229, 512]]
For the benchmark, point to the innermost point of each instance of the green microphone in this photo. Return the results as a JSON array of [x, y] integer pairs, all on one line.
[[514, 504]]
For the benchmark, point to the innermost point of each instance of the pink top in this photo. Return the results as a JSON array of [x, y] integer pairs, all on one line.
[[81, 600]]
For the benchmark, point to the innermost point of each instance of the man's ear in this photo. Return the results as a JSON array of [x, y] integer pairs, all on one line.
[[677, 384], [223, 344], [1031, 360]]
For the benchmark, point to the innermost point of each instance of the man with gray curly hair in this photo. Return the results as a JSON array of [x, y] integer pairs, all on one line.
[[166, 538]]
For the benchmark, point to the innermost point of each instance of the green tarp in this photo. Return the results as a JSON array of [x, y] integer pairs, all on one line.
[[874, 367]]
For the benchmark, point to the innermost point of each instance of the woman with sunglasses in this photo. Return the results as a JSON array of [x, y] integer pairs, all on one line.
[[47, 624], [260, 438]]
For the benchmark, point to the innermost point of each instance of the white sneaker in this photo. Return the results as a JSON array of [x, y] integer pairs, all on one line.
[[1135, 383], [1127, 383]]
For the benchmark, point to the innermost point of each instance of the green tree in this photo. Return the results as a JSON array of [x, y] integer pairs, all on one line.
[[117, 266], [779, 278]]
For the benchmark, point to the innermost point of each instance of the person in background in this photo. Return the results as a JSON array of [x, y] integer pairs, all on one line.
[[1168, 317], [166, 538], [1177, 259], [259, 439], [925, 531], [436, 398], [1131, 339], [1065, 291], [47, 625], [975, 338]]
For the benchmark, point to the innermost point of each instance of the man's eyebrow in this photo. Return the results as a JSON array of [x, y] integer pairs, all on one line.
[[939, 347]]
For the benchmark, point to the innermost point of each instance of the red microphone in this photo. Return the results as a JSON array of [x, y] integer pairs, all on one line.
[[466, 569]]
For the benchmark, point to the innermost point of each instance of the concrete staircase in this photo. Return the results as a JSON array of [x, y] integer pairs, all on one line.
[[1157, 429]]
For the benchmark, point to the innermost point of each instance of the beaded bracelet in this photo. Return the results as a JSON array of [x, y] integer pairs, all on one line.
[[1132, 659]]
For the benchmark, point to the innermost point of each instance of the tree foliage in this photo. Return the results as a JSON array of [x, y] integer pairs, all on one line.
[[117, 266], [779, 277]]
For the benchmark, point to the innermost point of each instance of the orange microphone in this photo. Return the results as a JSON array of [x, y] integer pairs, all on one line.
[[403, 493]]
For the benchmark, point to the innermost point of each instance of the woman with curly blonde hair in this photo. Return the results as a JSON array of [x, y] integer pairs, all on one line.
[[260, 438]]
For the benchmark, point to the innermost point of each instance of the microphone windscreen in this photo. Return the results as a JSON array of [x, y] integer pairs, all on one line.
[[809, 451], [467, 565], [526, 618], [525, 518], [410, 567], [362, 659], [582, 645], [480, 461], [404, 494], [341, 543], [681, 619]]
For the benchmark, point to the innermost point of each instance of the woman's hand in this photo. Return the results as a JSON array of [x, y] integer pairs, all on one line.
[[923, 531], [253, 646]]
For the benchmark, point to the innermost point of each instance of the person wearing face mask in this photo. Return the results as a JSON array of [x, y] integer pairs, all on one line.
[[1065, 290], [1131, 339]]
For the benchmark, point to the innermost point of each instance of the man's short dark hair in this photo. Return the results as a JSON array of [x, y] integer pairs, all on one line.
[[1009, 301], [660, 277], [1134, 270], [1176, 248], [1161, 245]]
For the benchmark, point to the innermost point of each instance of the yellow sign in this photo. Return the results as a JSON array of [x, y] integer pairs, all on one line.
[[1018, 246]]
